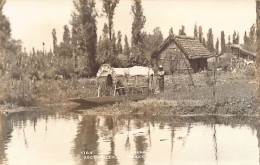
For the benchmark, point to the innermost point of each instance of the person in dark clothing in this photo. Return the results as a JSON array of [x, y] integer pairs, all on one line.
[[161, 78], [109, 84], [121, 90]]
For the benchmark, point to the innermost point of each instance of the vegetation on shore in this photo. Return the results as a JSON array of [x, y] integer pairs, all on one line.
[[180, 98], [40, 77]]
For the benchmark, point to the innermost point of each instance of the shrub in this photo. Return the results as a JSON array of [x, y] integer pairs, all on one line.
[[3, 94], [249, 71], [65, 68]]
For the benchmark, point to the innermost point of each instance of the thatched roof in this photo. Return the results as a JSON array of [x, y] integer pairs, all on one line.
[[245, 52], [190, 46]]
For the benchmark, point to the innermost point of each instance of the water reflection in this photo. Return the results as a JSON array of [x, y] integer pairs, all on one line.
[[51, 137], [86, 141], [5, 136]]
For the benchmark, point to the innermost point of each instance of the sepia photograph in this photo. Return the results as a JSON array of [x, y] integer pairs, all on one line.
[[129, 82]]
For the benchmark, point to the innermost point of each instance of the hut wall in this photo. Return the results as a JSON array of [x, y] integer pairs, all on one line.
[[172, 60], [199, 64]]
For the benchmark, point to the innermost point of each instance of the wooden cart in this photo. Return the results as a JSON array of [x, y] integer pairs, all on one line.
[[125, 81]]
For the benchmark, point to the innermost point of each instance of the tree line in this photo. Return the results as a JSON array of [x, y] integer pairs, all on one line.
[[81, 51]]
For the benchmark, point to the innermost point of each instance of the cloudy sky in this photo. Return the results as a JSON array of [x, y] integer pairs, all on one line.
[[32, 21]]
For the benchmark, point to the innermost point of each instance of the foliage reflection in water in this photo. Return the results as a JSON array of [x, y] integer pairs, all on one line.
[[48, 137]]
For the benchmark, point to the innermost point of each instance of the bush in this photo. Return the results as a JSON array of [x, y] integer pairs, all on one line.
[[65, 68], [16, 73], [25, 101], [49, 74], [250, 71], [3, 94]]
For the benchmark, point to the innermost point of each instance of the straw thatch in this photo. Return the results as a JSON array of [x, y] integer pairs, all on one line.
[[190, 46]]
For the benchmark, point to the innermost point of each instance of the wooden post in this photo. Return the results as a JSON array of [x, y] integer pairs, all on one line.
[[115, 91], [99, 90]]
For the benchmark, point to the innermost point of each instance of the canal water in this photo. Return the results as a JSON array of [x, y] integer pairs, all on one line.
[[66, 138]]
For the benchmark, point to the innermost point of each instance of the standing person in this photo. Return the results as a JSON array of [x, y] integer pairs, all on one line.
[[161, 78], [109, 85]]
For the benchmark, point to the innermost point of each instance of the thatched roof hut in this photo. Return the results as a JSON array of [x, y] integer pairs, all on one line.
[[178, 53]]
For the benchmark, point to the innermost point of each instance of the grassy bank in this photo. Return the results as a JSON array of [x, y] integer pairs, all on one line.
[[232, 94], [202, 93]]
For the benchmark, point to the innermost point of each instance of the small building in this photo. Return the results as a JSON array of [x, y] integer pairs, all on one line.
[[241, 57], [181, 54]]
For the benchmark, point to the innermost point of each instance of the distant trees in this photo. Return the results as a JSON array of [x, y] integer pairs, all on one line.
[[210, 44], [65, 49], [66, 34], [171, 31], [109, 9], [229, 39], [126, 50], [5, 27], [54, 41], [235, 38], [223, 43], [250, 41], [217, 47], [103, 49], [252, 34], [84, 35], [137, 57], [10, 49], [182, 31], [151, 42], [119, 43], [200, 34], [108, 48], [195, 31]]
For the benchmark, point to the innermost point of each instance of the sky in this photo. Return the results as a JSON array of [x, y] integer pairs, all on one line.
[[32, 21]]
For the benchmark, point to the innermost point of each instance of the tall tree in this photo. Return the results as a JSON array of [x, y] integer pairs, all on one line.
[[104, 48], [113, 45], [210, 44], [137, 38], [85, 32], [126, 48], [54, 41], [217, 47], [195, 31], [246, 41], [223, 43], [251, 40], [152, 42], [119, 43], [182, 31], [66, 34], [235, 38], [252, 34], [200, 34], [171, 31], [109, 9], [65, 48], [5, 27], [238, 38], [204, 42]]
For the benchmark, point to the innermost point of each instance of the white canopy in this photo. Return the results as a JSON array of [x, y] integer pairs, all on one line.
[[140, 71], [106, 69]]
